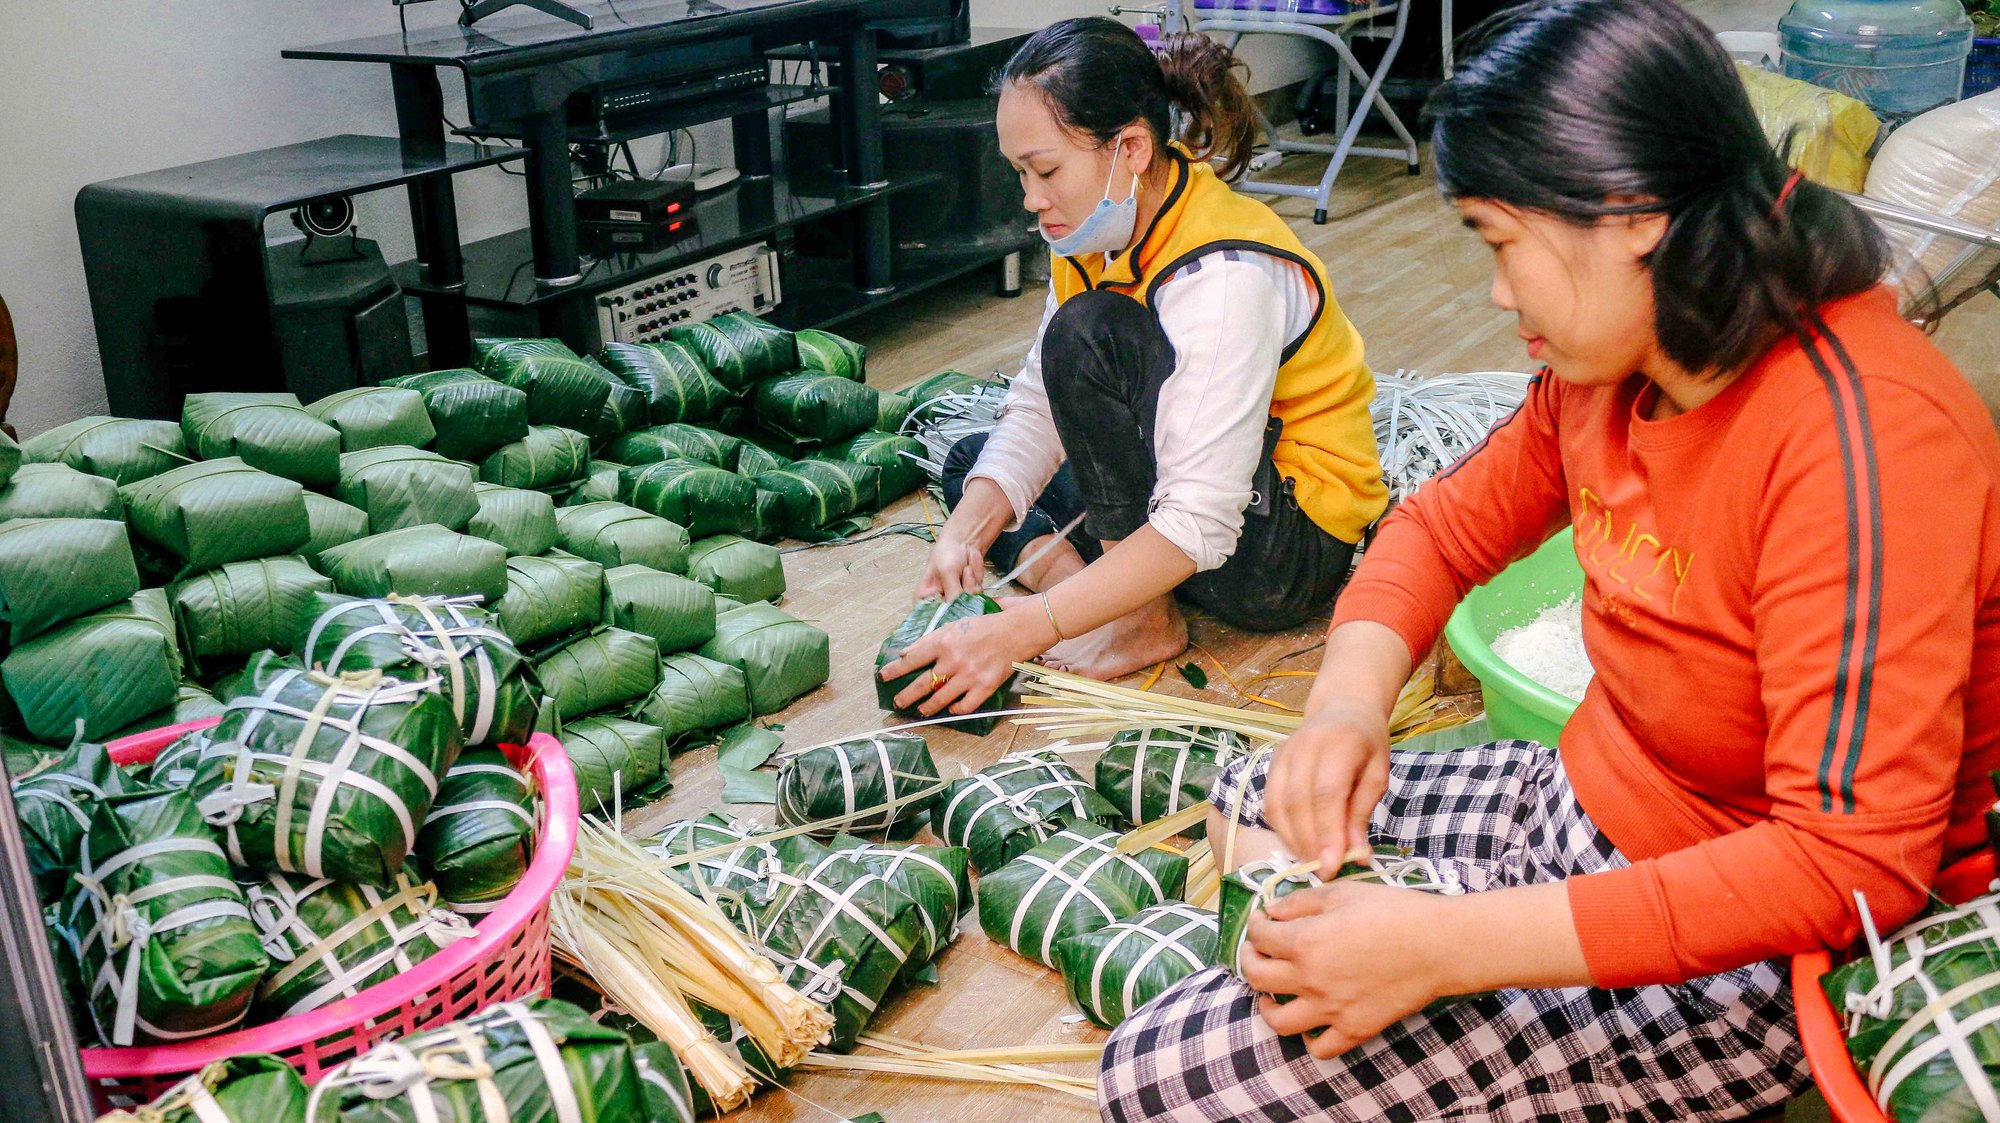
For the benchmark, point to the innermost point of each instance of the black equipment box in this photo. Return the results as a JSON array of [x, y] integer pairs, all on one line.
[[636, 202]]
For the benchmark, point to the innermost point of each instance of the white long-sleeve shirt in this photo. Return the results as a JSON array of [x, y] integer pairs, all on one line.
[[1229, 316]]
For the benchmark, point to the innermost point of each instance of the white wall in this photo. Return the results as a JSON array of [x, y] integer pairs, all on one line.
[[92, 91]]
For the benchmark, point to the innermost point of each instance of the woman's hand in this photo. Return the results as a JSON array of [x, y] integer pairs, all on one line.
[[969, 659], [1358, 958], [955, 566], [1326, 779]]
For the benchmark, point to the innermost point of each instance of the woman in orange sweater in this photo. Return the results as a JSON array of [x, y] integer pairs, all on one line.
[[1786, 504]]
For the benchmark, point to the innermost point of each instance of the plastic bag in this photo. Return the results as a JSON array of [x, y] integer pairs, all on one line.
[[1947, 163]]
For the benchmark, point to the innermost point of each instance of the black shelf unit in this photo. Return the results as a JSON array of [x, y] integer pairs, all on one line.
[[520, 72], [497, 270]]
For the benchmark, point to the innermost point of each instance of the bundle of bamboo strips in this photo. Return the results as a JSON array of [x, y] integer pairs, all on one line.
[[1012, 1065], [653, 946], [1071, 705]]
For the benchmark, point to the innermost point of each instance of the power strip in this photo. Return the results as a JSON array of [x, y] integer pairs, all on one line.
[[644, 310]]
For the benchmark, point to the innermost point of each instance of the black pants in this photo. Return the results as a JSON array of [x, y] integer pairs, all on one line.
[[1104, 359]]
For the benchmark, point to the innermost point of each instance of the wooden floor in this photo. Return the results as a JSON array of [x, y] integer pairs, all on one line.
[[1416, 285]]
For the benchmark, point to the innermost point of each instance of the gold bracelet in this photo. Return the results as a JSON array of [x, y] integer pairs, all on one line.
[[1053, 626]]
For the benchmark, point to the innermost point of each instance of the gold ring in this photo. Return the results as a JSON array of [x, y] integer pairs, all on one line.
[[937, 680]]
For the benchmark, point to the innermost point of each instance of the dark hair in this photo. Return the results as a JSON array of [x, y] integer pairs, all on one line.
[[1568, 103], [1099, 76]]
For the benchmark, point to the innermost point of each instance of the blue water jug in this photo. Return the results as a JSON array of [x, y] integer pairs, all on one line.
[[1901, 57]]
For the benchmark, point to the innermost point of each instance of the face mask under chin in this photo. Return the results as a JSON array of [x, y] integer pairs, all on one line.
[[1109, 226]]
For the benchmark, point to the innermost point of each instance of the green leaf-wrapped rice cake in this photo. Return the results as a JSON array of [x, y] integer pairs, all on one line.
[[676, 441], [678, 613], [330, 940], [928, 616], [614, 758], [523, 521], [244, 607], [418, 561], [1154, 771], [472, 414], [55, 570], [549, 457], [737, 567], [614, 534], [705, 499], [479, 838], [550, 596], [58, 491], [781, 656], [326, 776], [677, 385], [738, 349], [816, 408], [598, 671], [868, 785], [373, 416], [268, 431], [695, 695], [107, 670], [216, 512], [1074, 883], [1014, 804], [403, 487], [122, 449], [168, 949], [1122, 966]]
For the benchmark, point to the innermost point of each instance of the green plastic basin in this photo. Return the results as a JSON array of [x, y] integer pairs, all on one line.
[[1517, 707]]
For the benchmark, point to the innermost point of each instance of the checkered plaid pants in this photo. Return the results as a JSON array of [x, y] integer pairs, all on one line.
[[1502, 814]]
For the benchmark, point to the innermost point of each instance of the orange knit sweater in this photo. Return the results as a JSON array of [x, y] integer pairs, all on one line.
[[1792, 601]]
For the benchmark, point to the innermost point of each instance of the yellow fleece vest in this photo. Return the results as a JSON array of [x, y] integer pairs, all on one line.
[[1324, 387]]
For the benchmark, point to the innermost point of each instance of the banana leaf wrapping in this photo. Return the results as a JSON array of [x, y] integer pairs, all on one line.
[[329, 777], [569, 392], [843, 937], [479, 838], [107, 669], [55, 570], [58, 491], [614, 534], [870, 784], [937, 878], [168, 951], [548, 457], [54, 805], [550, 596], [602, 669], [890, 454], [781, 656], [10, 458], [734, 873], [540, 1061], [372, 416], [769, 517], [268, 431], [815, 496], [418, 561], [612, 756], [254, 675], [244, 607], [695, 695], [491, 688], [1124, 965], [174, 766], [754, 460], [191, 703], [832, 354], [252, 1088], [701, 497], [330, 940], [1917, 1011], [1074, 883], [1254, 885], [669, 1094], [473, 414], [122, 449], [491, 351], [403, 487], [216, 512], [678, 613], [928, 616], [737, 567], [676, 441], [1014, 804], [1151, 772], [677, 385], [926, 393], [739, 349], [599, 485], [624, 409], [330, 523], [523, 521], [891, 411], [816, 408]]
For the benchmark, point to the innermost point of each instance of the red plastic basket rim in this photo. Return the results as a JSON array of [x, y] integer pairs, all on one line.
[[1846, 1094], [544, 757]]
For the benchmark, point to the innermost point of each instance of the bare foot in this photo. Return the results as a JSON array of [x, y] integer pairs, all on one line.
[[1148, 635]]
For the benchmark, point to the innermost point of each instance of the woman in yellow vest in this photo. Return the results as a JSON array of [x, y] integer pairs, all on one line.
[[1193, 415]]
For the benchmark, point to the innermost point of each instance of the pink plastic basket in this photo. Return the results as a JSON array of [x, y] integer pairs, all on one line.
[[507, 960], [1847, 1095]]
